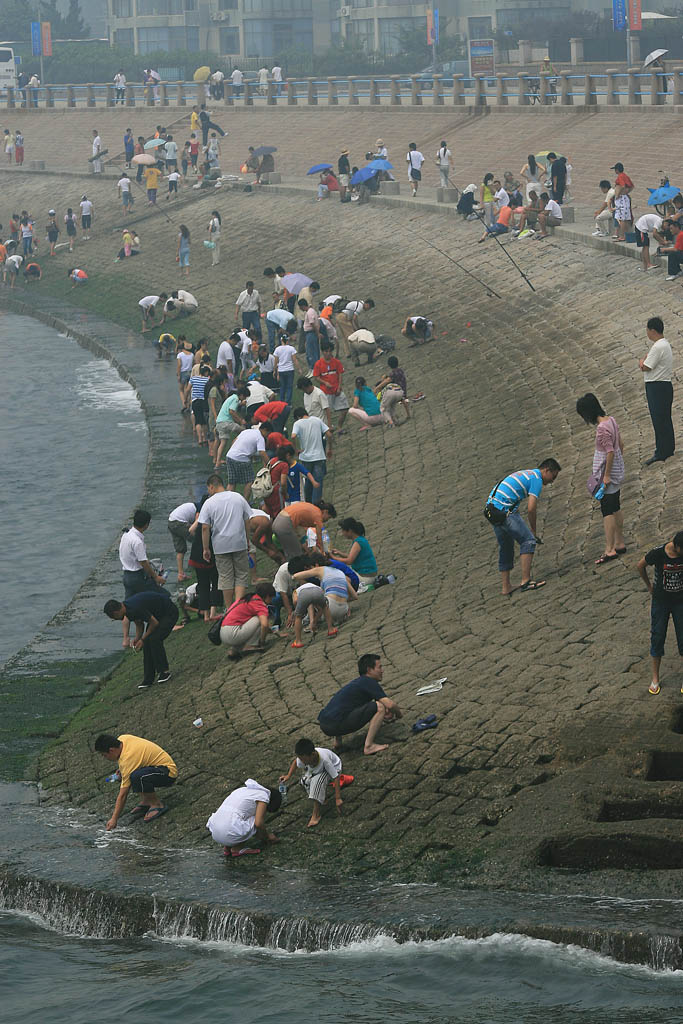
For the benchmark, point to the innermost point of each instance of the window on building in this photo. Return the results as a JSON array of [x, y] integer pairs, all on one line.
[[228, 5], [267, 37], [160, 6], [230, 40], [391, 30], [190, 5], [480, 28], [363, 32], [122, 8], [151, 39], [192, 38], [124, 38]]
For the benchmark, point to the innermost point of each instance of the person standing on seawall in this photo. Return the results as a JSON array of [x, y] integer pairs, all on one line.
[[608, 460], [154, 616], [667, 599], [657, 367], [138, 573], [143, 766], [501, 510], [414, 159]]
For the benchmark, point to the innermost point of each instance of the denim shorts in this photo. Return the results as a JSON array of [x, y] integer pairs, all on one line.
[[513, 529]]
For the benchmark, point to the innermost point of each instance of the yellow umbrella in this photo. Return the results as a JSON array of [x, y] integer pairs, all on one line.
[[201, 74]]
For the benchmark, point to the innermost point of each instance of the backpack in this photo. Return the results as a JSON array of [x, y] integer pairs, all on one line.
[[263, 485]]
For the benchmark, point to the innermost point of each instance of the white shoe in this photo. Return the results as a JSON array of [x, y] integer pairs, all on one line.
[[599, 234], [672, 277]]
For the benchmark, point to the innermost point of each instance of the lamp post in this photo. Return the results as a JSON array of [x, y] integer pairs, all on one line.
[[40, 27]]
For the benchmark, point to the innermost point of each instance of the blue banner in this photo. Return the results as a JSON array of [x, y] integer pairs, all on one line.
[[36, 48], [619, 15], [436, 24]]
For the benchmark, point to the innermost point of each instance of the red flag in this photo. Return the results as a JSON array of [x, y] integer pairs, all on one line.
[[46, 33], [636, 15]]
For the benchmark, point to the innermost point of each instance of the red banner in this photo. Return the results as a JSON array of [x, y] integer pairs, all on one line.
[[430, 28], [636, 23], [46, 34]]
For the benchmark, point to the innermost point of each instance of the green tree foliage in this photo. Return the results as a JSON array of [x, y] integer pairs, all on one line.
[[73, 26]]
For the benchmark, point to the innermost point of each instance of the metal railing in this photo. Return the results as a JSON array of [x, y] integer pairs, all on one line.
[[612, 87]]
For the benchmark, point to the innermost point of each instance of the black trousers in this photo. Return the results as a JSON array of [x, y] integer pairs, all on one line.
[[673, 262], [208, 594], [206, 125], [153, 647], [660, 396]]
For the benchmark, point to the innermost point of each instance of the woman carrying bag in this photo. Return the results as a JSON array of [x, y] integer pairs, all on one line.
[[604, 483]]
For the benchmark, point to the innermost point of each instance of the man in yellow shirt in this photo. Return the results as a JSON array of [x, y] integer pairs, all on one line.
[[143, 767], [152, 175], [194, 120]]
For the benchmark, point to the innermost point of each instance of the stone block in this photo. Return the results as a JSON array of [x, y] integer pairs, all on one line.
[[390, 188], [37, 165], [446, 195], [272, 178], [568, 214]]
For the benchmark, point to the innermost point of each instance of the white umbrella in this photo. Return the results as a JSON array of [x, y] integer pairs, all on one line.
[[652, 57], [155, 143]]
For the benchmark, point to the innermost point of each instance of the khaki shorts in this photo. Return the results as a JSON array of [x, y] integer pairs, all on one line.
[[227, 429], [343, 179], [338, 402], [233, 570]]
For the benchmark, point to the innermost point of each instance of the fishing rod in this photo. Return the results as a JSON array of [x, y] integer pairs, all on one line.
[[489, 290], [480, 216]]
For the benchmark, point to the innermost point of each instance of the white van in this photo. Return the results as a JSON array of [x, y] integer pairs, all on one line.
[[8, 69]]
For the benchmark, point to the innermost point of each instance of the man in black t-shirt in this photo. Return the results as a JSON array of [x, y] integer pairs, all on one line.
[[360, 702], [667, 598], [154, 615]]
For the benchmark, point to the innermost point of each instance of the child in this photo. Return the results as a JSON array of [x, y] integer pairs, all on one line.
[[52, 232], [12, 265], [310, 600], [77, 276], [185, 159], [295, 472], [322, 766], [194, 152], [173, 180]]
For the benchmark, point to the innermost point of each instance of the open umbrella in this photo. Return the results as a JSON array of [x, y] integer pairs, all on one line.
[[264, 150], [662, 195], [380, 165], [317, 168], [364, 174], [155, 143], [201, 74], [543, 155], [295, 282], [144, 158], [652, 57]]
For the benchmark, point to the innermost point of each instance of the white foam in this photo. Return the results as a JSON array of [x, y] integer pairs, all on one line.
[[99, 386]]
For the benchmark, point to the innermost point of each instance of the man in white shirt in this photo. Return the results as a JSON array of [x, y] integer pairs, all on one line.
[[180, 521], [286, 361], [500, 195], [657, 370], [649, 223], [138, 574], [312, 440], [362, 342], [316, 402], [347, 322], [124, 192], [86, 206], [171, 154], [148, 306], [414, 159], [279, 319], [255, 394], [96, 149], [276, 72], [249, 305], [180, 302], [224, 517], [237, 79], [120, 86], [605, 214], [225, 360], [550, 216], [247, 444], [217, 85]]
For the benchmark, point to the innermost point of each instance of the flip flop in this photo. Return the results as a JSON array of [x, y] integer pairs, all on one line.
[[139, 811], [621, 551], [606, 558], [332, 632], [295, 644], [425, 723], [156, 812], [654, 688], [244, 852], [344, 780], [531, 585]]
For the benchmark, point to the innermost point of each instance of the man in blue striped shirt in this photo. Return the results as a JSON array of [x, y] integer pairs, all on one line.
[[503, 503]]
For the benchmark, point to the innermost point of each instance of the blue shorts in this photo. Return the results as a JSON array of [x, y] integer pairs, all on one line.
[[497, 229], [513, 529], [184, 257]]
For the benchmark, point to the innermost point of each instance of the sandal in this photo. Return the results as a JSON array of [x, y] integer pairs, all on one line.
[[295, 644], [531, 585], [621, 551], [606, 558], [332, 632], [654, 688]]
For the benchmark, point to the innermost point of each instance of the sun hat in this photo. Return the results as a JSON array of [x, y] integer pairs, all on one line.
[[380, 142], [344, 152], [50, 213]]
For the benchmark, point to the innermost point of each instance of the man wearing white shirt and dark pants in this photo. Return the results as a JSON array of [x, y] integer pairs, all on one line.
[[237, 78], [657, 368], [249, 305], [223, 519], [313, 440], [648, 224], [277, 77], [550, 216], [138, 574], [414, 160]]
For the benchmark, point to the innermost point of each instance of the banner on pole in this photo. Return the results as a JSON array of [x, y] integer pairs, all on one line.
[[619, 15], [46, 37], [636, 15], [35, 39], [430, 27], [436, 24]]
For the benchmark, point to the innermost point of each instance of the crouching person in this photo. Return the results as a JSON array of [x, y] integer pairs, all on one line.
[[320, 767], [245, 626], [143, 767], [241, 818]]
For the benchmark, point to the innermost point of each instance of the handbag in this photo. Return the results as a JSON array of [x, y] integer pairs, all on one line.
[[214, 634], [496, 516]]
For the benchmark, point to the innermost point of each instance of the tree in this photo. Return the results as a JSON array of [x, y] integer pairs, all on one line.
[[16, 20], [73, 25]]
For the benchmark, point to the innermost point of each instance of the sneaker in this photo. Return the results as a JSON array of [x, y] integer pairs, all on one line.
[[144, 685], [598, 234], [164, 677], [672, 277]]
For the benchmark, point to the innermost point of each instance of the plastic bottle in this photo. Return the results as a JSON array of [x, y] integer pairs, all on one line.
[[391, 578], [114, 777], [600, 493], [283, 791]]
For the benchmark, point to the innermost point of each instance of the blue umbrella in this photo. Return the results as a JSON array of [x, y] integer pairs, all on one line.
[[364, 174], [662, 195], [380, 165], [319, 167]]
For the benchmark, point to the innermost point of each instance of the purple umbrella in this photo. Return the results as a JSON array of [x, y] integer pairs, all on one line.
[[295, 282]]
